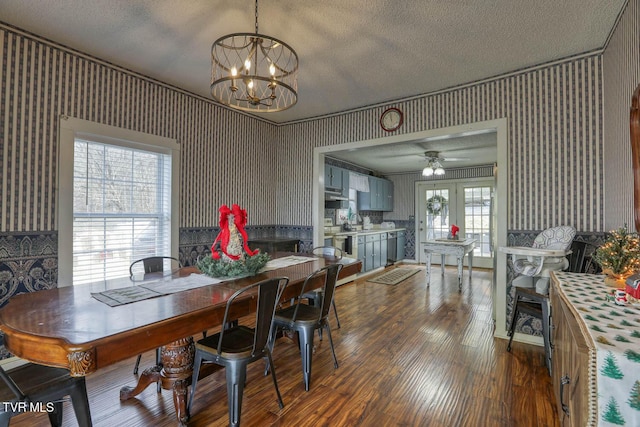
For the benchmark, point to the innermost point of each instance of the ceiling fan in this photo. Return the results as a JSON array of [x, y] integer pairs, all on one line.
[[434, 165], [434, 156]]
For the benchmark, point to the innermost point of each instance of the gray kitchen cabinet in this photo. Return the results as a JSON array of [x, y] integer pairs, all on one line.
[[400, 243], [379, 197], [386, 195], [332, 177], [383, 249], [362, 256], [373, 249], [345, 183]]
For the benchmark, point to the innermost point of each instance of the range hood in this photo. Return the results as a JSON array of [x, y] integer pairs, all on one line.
[[334, 196]]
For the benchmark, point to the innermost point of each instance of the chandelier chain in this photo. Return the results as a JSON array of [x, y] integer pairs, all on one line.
[[256, 16]]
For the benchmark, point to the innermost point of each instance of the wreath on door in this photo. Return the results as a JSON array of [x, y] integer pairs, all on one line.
[[436, 205]]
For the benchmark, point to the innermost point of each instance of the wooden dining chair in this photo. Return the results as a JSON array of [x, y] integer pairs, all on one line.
[[37, 387], [304, 319], [235, 347]]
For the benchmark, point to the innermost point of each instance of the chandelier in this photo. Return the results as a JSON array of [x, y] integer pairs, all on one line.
[[434, 167], [253, 72]]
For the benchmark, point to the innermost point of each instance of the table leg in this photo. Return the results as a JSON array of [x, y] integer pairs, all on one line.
[[442, 256], [174, 374], [470, 264], [459, 262], [428, 268]]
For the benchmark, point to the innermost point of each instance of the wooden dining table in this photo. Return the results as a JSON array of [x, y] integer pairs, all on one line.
[[67, 327]]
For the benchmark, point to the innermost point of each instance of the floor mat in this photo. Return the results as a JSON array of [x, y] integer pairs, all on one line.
[[395, 276]]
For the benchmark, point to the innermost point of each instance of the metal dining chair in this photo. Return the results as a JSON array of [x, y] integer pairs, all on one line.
[[37, 387], [304, 319], [316, 294], [237, 346]]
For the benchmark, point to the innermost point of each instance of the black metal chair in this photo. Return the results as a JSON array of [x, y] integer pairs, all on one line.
[[316, 294], [154, 264], [237, 346], [528, 301], [304, 319], [37, 387]]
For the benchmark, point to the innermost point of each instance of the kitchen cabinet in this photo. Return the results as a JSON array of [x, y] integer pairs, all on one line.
[[401, 240], [383, 249], [333, 177], [361, 253], [386, 194], [379, 197], [345, 183], [373, 249]]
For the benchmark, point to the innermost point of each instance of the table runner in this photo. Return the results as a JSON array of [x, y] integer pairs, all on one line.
[[170, 285]]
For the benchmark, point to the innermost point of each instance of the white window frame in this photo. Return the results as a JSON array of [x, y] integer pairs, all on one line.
[[72, 128]]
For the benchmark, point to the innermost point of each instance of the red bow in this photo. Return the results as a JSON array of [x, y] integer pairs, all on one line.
[[240, 220]]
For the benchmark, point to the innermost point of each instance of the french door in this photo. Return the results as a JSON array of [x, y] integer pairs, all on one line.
[[468, 205]]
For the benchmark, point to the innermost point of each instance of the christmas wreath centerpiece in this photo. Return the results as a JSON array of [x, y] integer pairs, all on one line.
[[230, 254], [436, 205]]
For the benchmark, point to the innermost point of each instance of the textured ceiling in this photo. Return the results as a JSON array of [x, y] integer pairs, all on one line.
[[353, 53]]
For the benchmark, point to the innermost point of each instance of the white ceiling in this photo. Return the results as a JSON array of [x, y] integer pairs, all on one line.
[[479, 148], [353, 53]]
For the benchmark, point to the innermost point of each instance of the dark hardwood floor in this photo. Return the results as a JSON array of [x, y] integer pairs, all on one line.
[[409, 356]]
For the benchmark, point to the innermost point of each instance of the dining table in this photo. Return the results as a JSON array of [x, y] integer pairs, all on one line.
[[457, 248], [72, 327]]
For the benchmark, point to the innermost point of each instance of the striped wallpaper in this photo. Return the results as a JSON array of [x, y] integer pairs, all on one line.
[[555, 140], [554, 114], [227, 157], [621, 75]]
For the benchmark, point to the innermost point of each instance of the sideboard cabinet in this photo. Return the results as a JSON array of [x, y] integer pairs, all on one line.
[[595, 352], [570, 364]]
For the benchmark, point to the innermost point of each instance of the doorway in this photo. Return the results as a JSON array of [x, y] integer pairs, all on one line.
[[466, 204], [500, 196]]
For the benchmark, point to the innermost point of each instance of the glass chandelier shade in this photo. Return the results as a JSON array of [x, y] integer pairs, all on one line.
[[253, 72], [433, 168]]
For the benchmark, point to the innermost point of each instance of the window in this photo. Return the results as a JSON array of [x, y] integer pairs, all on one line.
[[119, 205]]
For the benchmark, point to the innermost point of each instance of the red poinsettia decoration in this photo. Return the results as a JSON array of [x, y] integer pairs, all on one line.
[[454, 230]]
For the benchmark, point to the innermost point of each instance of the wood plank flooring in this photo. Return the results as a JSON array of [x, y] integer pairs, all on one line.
[[409, 356]]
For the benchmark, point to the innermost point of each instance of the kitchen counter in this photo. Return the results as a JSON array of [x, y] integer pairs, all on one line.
[[363, 232]]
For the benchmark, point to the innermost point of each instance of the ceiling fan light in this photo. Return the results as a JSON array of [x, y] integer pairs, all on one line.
[[439, 171], [428, 171]]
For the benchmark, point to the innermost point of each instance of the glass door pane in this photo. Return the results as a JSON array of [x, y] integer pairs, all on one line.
[[437, 213], [477, 220]]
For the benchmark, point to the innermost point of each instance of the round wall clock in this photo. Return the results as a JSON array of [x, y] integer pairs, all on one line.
[[391, 119]]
